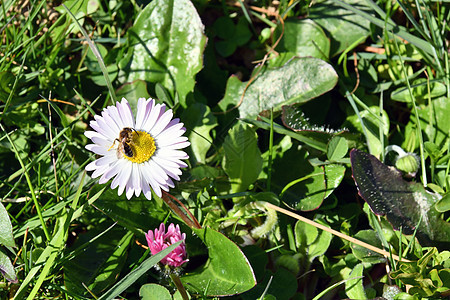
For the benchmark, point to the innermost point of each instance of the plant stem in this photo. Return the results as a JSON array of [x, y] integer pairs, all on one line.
[[176, 280]]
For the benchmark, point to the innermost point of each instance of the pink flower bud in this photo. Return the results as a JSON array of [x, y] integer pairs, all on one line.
[[160, 239]]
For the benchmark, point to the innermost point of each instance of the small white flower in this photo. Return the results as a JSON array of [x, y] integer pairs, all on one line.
[[140, 153]]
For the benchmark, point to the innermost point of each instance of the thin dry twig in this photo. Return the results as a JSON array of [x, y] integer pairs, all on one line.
[[337, 233], [355, 63]]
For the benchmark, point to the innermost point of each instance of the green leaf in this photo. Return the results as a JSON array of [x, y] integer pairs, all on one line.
[[405, 204], [311, 241], [435, 120], [136, 214], [132, 91], [334, 174], [303, 37], [443, 205], [6, 235], [283, 285], [354, 286], [6, 84], [301, 185], [99, 264], [168, 42], [419, 89], [6, 268], [242, 161], [134, 275], [227, 270], [343, 27], [372, 125], [363, 254], [337, 148], [201, 177], [199, 122], [153, 291], [298, 81], [398, 30]]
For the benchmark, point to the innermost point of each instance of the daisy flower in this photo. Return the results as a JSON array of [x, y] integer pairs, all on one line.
[[160, 240], [141, 154]]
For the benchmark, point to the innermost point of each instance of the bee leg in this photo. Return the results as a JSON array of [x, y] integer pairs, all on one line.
[[113, 144]]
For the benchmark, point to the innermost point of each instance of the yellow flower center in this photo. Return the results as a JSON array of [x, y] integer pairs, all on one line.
[[142, 145]]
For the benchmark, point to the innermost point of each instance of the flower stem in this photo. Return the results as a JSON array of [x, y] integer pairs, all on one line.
[[176, 280]]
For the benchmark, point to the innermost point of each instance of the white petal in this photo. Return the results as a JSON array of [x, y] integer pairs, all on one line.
[[146, 188], [143, 109], [113, 171], [109, 127], [172, 154], [157, 172], [125, 113], [150, 180], [153, 118], [91, 166], [163, 121], [122, 177], [114, 118], [170, 168], [97, 149], [99, 171]]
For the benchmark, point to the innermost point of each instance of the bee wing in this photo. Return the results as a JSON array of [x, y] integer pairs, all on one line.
[[119, 151]]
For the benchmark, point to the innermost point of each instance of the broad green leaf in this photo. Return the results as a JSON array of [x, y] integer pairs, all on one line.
[[232, 35], [354, 286], [316, 136], [298, 81], [302, 185], [6, 268], [343, 27], [258, 260], [283, 286], [405, 204], [337, 148], [6, 235], [136, 214], [303, 37], [99, 264], [6, 83], [419, 89], [168, 42], [334, 174], [201, 177], [311, 241], [132, 91], [153, 291], [227, 270], [242, 161], [363, 254], [443, 205], [199, 121]]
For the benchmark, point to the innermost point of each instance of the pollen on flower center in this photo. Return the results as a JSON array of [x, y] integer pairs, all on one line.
[[143, 146]]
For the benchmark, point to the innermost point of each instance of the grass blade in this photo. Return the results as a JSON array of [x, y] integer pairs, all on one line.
[[136, 273]]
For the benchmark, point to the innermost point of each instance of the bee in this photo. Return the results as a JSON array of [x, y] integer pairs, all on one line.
[[125, 142]]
